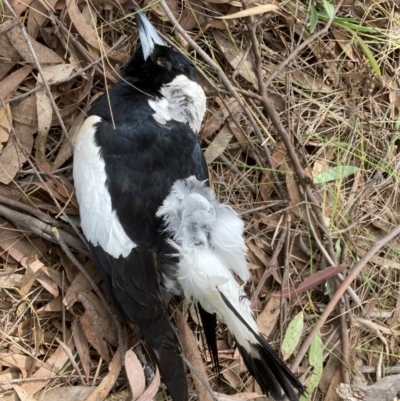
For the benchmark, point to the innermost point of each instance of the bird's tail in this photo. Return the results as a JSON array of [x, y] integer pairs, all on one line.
[[208, 240], [162, 342]]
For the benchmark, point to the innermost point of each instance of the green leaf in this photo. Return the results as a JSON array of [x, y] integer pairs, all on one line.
[[330, 10], [75, 220], [313, 19], [327, 288], [335, 173], [338, 248], [369, 56], [315, 359], [293, 335]]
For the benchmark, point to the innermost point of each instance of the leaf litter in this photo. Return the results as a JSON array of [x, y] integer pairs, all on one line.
[[336, 97]]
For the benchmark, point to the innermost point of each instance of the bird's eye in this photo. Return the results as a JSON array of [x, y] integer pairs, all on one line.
[[162, 61]]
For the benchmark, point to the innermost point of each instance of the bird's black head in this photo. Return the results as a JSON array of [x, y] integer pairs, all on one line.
[[154, 64]]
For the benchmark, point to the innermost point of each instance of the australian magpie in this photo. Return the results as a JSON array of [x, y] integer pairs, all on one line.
[[154, 226]]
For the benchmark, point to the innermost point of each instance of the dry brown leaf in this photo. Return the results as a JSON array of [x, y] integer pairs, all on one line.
[[91, 328], [192, 15], [294, 195], [268, 318], [261, 255], [135, 374], [23, 394], [331, 394], [190, 349], [54, 305], [152, 390], [232, 374], [240, 138], [309, 81], [12, 157], [48, 284], [221, 2], [72, 393], [5, 124], [219, 144], [52, 366], [6, 377], [9, 84], [39, 13], [22, 362], [264, 8], [82, 346], [234, 57], [105, 386], [20, 6], [214, 123], [8, 280], [241, 396], [44, 107], [310, 282], [278, 158], [80, 284], [25, 112], [16, 245], [99, 313], [65, 151], [43, 53], [345, 44], [90, 35]]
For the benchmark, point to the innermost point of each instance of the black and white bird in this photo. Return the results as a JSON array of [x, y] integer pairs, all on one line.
[[154, 226]]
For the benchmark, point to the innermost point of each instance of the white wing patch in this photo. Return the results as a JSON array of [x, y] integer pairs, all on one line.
[[183, 100], [99, 222]]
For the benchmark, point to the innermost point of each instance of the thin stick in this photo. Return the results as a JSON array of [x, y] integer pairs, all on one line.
[[39, 379], [299, 48], [340, 291], [72, 359], [200, 377], [41, 73], [62, 81]]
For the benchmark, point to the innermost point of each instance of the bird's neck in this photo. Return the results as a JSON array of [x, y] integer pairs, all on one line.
[[181, 100]]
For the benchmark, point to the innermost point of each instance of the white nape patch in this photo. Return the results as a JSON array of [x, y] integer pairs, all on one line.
[[208, 238], [183, 100], [99, 222]]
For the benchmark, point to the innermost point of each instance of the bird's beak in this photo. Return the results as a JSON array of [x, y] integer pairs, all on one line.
[[148, 35]]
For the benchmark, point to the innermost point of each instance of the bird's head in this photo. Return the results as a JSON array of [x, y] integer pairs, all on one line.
[[154, 63]]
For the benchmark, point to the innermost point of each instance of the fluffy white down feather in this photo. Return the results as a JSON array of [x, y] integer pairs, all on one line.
[[99, 222], [208, 238]]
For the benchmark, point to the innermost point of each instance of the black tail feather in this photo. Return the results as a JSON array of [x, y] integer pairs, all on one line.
[[209, 322], [267, 368], [160, 338]]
